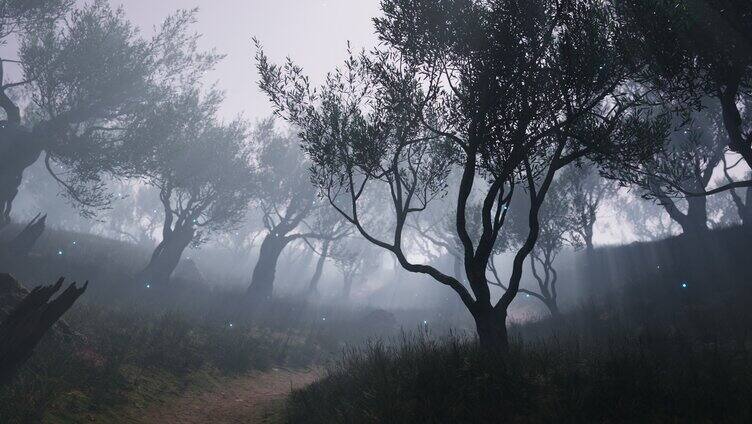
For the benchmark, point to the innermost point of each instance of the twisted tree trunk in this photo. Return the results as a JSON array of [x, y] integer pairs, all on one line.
[[166, 256], [262, 280]]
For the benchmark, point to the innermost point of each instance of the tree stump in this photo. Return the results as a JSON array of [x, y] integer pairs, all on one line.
[[26, 317]]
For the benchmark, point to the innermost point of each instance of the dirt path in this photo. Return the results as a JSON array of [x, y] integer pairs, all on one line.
[[249, 399]]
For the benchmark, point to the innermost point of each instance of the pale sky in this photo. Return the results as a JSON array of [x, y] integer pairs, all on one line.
[[312, 32]]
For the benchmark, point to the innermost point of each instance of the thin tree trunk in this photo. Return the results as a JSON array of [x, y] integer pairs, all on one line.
[[347, 286], [313, 285], [745, 209], [588, 236], [553, 308]]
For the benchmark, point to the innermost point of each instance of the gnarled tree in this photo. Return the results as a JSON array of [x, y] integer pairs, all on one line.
[[202, 170], [685, 163], [286, 198], [506, 92]]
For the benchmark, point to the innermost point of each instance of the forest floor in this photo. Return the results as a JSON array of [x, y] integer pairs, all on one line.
[[254, 398]]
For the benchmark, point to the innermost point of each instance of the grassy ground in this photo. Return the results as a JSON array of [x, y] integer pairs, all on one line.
[[668, 342], [139, 346], [625, 378], [649, 349], [123, 361]]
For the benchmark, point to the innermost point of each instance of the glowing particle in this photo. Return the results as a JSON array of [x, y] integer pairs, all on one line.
[[60, 253], [425, 322], [527, 295], [323, 319], [230, 325], [684, 285], [74, 242]]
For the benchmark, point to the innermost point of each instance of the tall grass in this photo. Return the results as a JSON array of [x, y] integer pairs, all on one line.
[[622, 379], [669, 341]]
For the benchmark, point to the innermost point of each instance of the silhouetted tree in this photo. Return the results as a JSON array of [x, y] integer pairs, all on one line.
[[506, 92]]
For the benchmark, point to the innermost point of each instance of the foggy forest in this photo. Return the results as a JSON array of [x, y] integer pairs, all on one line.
[[375, 211]]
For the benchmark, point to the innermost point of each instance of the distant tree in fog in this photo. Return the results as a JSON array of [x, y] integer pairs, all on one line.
[[684, 164], [586, 190], [560, 226], [354, 257], [646, 220], [286, 198], [742, 198], [85, 79], [436, 238], [201, 168], [485, 88], [325, 222], [135, 216]]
